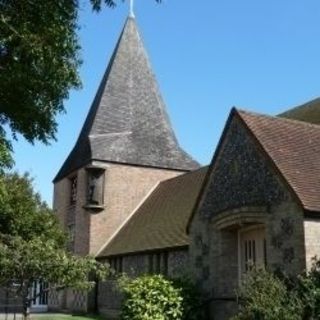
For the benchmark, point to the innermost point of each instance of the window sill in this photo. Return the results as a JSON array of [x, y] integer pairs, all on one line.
[[94, 208]]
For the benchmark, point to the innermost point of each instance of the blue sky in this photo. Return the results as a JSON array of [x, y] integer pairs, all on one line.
[[208, 56]]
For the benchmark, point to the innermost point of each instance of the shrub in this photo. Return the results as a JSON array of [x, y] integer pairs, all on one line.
[[308, 290], [265, 296], [153, 297], [150, 297], [192, 302]]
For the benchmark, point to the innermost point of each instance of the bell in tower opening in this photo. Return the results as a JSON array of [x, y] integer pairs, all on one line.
[[95, 188]]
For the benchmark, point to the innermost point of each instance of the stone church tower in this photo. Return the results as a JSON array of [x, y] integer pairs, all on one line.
[[125, 147]]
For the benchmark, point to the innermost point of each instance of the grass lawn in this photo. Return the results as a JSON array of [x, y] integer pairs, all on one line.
[[49, 316]]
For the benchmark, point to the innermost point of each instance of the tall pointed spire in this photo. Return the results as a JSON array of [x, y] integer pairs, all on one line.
[[131, 12], [127, 122]]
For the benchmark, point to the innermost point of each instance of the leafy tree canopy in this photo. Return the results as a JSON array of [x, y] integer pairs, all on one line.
[[38, 64], [39, 60], [97, 4], [23, 214], [23, 262], [32, 245]]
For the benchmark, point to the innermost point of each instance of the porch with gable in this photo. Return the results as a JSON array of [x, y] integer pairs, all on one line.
[[247, 215]]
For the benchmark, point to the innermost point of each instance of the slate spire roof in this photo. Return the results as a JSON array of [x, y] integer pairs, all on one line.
[[127, 122]]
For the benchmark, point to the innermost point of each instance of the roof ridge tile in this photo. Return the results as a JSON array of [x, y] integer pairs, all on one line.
[[277, 117]]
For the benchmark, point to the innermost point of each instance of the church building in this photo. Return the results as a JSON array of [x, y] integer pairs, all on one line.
[[125, 148], [130, 195]]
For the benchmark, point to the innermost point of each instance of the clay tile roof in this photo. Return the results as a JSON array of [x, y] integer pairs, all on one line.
[[294, 147], [309, 112], [128, 121], [161, 221]]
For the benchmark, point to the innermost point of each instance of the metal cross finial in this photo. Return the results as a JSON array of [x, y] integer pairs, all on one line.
[[131, 14]]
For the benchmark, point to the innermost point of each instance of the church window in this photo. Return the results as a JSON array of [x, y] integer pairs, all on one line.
[[157, 267], [116, 264], [252, 249], [73, 190], [119, 264], [71, 232], [71, 237], [158, 263], [150, 263], [265, 251], [165, 263], [113, 263], [39, 295], [95, 187]]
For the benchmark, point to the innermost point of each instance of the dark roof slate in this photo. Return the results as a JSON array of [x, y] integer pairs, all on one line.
[[160, 222], [127, 121], [294, 147]]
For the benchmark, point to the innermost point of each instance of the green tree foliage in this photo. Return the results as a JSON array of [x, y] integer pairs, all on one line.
[[6, 160], [23, 214], [38, 63], [24, 261], [97, 4], [32, 245], [153, 297], [39, 60]]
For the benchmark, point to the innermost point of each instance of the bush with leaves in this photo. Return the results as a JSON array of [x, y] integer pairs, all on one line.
[[266, 296], [192, 302], [153, 297], [150, 297], [308, 290]]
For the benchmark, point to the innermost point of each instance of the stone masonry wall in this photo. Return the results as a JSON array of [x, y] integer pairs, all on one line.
[[242, 175], [214, 253], [312, 240], [285, 238], [178, 262], [242, 179]]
